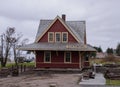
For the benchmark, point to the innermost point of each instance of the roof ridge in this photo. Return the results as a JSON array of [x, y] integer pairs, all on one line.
[[76, 21], [66, 21], [46, 19]]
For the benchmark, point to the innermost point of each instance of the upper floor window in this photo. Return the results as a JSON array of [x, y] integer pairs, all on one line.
[[57, 37], [50, 37], [64, 37]]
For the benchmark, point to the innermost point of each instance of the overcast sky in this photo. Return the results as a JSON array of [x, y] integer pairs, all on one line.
[[102, 17]]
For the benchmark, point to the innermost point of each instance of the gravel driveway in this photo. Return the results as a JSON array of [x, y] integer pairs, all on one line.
[[61, 80]]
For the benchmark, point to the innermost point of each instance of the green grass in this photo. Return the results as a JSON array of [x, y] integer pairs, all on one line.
[[28, 64], [32, 64], [113, 82], [8, 65]]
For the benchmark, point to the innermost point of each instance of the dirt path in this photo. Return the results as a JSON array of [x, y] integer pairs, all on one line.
[[61, 80]]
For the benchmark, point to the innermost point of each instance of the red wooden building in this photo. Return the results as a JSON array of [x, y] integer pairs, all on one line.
[[61, 44]]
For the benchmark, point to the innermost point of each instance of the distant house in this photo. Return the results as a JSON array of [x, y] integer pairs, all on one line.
[[101, 55], [61, 44], [26, 57], [29, 56]]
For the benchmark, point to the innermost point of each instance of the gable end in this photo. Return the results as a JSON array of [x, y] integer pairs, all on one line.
[[63, 23]]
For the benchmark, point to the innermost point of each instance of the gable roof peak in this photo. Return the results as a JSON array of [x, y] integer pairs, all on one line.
[[76, 28], [58, 17]]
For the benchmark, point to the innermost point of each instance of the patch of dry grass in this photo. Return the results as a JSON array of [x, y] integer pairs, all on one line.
[[107, 60]]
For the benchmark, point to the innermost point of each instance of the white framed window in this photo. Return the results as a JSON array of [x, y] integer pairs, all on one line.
[[57, 37], [50, 37], [47, 57], [64, 37], [67, 57]]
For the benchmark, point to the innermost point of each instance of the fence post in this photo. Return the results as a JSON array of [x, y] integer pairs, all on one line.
[[24, 68], [18, 68], [12, 68], [21, 68]]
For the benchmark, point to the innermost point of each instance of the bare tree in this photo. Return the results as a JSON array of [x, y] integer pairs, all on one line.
[[17, 52], [24, 41], [15, 42], [6, 43], [9, 41]]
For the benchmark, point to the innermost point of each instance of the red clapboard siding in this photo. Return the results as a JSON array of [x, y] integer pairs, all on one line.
[[57, 60], [57, 27]]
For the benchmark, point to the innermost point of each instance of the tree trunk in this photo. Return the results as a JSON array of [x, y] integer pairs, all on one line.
[[4, 59], [3, 63], [15, 58]]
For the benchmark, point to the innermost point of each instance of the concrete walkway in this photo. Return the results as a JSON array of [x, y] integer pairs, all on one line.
[[99, 80]]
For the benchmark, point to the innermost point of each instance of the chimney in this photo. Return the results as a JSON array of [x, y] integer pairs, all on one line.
[[64, 17], [85, 38]]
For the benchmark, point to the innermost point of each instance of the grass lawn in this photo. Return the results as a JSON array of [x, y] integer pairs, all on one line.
[[113, 82], [8, 65], [32, 64]]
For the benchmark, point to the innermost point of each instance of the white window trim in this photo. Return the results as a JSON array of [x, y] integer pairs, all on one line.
[[48, 37], [62, 37], [44, 57], [65, 57]]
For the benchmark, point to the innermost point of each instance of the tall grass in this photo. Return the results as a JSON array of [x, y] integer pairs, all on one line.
[[106, 60]]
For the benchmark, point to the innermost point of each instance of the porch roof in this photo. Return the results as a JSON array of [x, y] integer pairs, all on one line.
[[57, 47]]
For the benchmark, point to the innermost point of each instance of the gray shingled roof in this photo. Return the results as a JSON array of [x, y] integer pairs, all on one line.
[[42, 26], [77, 27], [57, 47]]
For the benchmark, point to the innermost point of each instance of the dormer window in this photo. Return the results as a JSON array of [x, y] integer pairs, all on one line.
[[64, 37], [57, 37], [50, 37]]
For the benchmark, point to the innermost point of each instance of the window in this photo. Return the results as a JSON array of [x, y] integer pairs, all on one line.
[[86, 57], [47, 57], [50, 37], [64, 37], [58, 37], [67, 57]]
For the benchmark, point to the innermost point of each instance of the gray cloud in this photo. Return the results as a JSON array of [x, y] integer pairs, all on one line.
[[102, 17]]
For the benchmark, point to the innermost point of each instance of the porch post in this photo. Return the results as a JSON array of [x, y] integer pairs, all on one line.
[[82, 59], [35, 58]]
